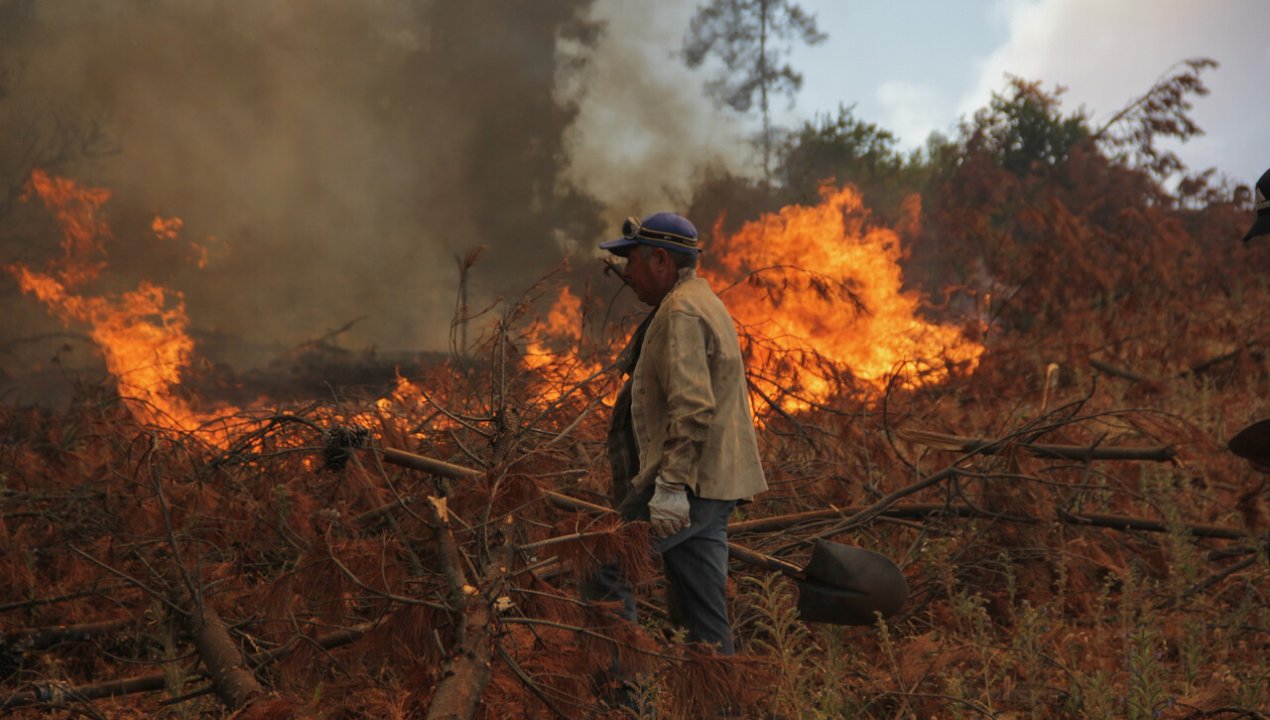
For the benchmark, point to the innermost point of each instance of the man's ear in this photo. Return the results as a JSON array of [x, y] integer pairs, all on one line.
[[662, 255]]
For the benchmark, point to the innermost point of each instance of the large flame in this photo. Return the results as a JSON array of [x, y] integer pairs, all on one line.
[[563, 323], [818, 293], [141, 333], [562, 328], [818, 297]]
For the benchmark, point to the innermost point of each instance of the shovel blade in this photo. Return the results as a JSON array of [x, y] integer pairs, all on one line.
[[846, 585], [1253, 442]]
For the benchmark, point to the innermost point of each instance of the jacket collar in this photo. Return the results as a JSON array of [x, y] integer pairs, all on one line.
[[685, 274]]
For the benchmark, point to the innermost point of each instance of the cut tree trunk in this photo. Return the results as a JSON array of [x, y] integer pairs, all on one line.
[[467, 672], [235, 685]]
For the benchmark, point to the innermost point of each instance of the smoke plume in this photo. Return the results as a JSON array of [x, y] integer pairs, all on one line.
[[332, 162]]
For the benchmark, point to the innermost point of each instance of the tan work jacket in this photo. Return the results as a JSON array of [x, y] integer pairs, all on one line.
[[690, 406]]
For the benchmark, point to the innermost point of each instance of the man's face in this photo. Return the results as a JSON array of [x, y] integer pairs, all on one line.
[[650, 273]]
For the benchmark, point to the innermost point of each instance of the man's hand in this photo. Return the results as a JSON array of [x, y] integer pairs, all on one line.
[[668, 510]]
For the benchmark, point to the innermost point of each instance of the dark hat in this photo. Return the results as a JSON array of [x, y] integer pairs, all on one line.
[[664, 230], [1261, 226]]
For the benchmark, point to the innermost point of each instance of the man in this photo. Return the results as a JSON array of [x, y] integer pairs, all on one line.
[[682, 439], [1253, 442], [1261, 224]]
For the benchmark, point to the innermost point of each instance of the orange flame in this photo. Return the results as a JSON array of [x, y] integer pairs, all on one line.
[[818, 292], [142, 333], [819, 300], [562, 328], [563, 324], [142, 338], [83, 233]]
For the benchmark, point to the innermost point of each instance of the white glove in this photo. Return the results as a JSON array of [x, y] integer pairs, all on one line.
[[668, 510]]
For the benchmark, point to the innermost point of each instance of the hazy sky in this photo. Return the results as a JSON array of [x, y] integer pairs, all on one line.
[[918, 66], [913, 68]]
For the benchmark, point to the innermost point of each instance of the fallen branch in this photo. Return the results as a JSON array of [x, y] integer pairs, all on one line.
[[427, 464], [736, 552], [1210, 581], [368, 518], [36, 602], [1109, 369], [1126, 522], [1114, 522], [43, 637], [780, 522], [865, 515], [57, 692], [980, 446], [1202, 367]]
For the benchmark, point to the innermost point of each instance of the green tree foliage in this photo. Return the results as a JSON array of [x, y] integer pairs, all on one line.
[[1024, 129], [751, 38], [846, 149]]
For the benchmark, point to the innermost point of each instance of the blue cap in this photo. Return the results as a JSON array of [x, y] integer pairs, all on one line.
[[664, 230]]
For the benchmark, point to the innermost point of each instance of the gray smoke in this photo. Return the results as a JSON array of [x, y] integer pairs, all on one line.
[[335, 158]]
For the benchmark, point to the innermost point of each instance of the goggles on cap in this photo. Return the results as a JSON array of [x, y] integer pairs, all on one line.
[[633, 229]]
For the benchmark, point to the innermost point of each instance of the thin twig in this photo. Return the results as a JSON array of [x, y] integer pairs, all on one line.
[[530, 684], [161, 597]]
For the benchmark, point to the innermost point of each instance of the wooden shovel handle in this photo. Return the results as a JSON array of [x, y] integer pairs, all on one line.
[[737, 552], [458, 472]]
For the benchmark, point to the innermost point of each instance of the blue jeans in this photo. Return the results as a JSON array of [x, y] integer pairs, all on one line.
[[696, 560]]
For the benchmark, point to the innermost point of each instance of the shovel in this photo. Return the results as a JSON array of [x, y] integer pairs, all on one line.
[[1253, 444], [841, 585]]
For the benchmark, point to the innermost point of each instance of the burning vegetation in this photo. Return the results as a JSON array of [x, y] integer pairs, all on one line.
[[1014, 376], [1073, 544]]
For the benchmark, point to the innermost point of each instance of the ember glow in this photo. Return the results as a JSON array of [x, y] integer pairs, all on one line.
[[167, 228], [818, 294], [141, 333]]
